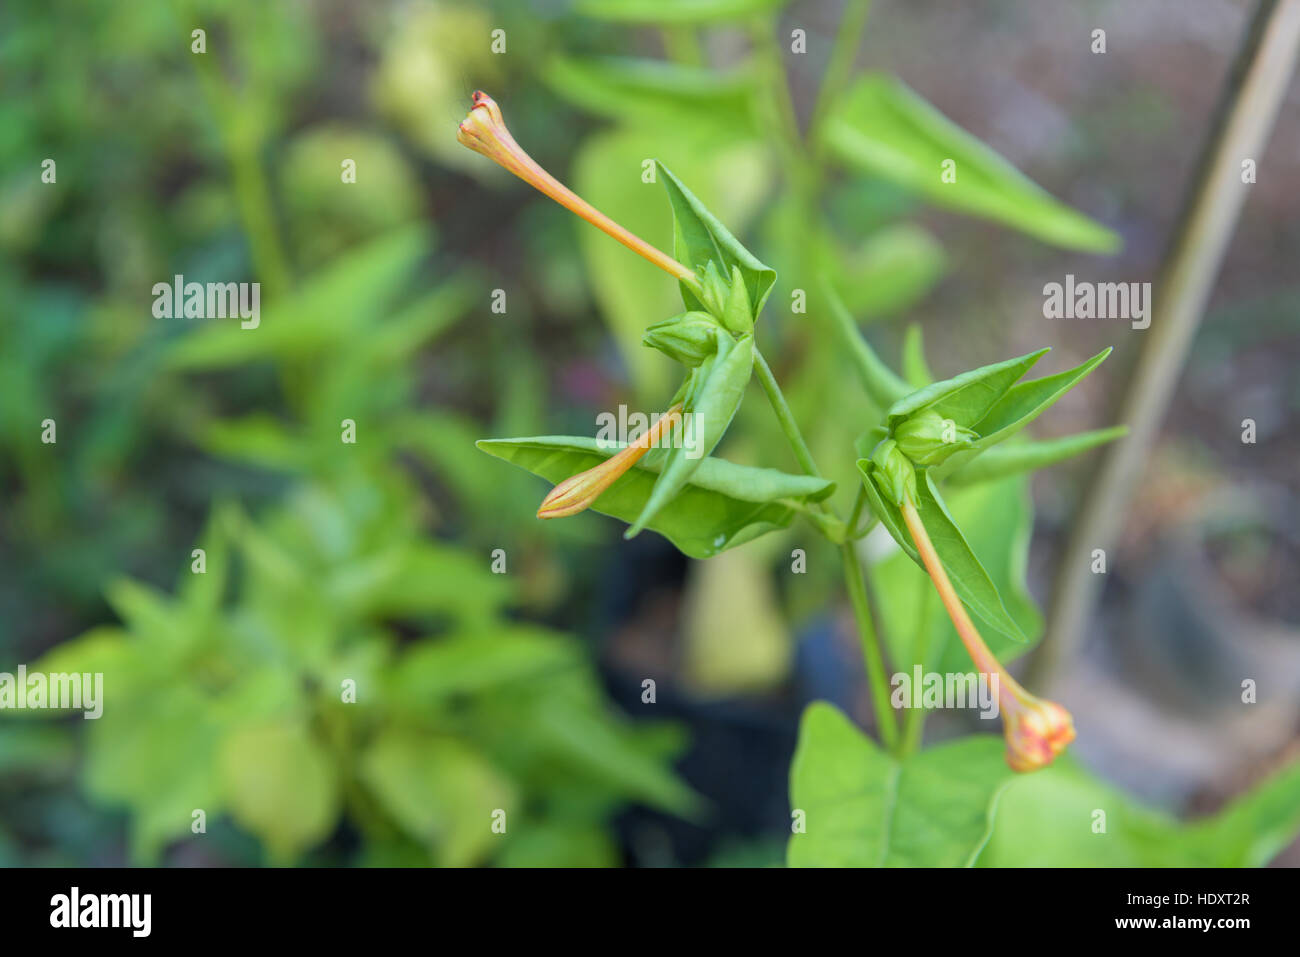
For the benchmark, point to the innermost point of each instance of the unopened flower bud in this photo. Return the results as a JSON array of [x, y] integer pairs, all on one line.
[[1036, 731], [689, 338], [579, 492], [716, 290], [738, 313], [484, 131], [894, 473], [928, 438]]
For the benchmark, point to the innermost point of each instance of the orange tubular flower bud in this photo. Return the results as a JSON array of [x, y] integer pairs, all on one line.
[[578, 493], [1036, 730], [484, 131]]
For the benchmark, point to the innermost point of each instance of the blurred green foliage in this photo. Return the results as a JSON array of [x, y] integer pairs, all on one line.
[[327, 570], [275, 687]]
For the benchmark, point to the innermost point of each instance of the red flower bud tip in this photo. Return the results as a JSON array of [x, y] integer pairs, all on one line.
[[484, 131], [1036, 732], [579, 492]]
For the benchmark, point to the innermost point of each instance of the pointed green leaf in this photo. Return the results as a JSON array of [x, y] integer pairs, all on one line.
[[885, 129], [723, 504], [1018, 457], [1020, 405], [864, 808], [1025, 401], [699, 238], [967, 398]]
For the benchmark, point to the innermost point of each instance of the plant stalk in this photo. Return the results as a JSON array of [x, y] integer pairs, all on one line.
[[914, 718], [784, 416], [859, 503], [853, 575], [1254, 92], [871, 654]]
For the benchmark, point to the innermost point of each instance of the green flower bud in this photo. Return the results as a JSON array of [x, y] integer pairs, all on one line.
[[894, 474], [738, 315], [716, 290], [689, 338], [927, 438]]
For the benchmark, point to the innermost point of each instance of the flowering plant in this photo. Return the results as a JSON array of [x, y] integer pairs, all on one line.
[[928, 437], [925, 435]]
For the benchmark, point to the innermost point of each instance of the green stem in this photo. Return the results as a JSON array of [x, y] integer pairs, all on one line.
[[784, 416], [824, 520], [802, 170], [858, 504], [914, 718], [853, 576], [1255, 90], [870, 647]]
